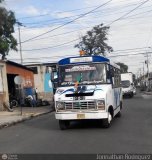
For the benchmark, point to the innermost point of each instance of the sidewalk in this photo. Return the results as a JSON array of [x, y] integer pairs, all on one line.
[[10, 118], [146, 95]]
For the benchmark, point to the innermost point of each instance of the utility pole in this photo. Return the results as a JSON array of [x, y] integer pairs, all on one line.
[[140, 75], [147, 63], [143, 70], [20, 45]]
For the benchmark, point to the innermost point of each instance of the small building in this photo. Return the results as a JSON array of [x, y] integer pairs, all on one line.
[[8, 71], [42, 79]]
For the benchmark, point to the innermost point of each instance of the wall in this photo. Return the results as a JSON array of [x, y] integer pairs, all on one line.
[[41, 80], [4, 87], [28, 76]]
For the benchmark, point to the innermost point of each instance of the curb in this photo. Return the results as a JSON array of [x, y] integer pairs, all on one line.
[[147, 96], [8, 124], [148, 93]]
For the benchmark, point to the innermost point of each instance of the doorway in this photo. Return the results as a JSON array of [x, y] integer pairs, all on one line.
[[11, 84]]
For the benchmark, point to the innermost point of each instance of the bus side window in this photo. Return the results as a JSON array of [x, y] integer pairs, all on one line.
[[116, 78], [108, 74], [111, 74], [113, 77]]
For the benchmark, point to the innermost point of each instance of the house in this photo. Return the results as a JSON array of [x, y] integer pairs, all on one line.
[[8, 72], [42, 79]]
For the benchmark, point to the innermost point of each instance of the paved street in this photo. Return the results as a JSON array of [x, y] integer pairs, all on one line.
[[131, 133]]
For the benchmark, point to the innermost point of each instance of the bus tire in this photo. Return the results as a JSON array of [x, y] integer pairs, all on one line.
[[131, 95], [63, 124], [106, 123]]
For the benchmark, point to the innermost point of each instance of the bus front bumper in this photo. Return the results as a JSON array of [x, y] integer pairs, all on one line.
[[81, 115]]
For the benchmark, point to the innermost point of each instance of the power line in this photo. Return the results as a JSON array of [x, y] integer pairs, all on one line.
[[65, 43], [128, 12], [64, 33], [140, 13], [94, 12], [45, 57], [68, 32], [66, 23], [42, 15], [129, 49], [59, 45], [121, 55], [77, 39], [61, 56], [51, 46], [56, 20]]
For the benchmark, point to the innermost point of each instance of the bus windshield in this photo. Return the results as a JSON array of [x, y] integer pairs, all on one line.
[[83, 74], [125, 84]]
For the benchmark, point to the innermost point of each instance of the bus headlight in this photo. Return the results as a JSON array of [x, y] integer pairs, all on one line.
[[100, 104], [60, 106]]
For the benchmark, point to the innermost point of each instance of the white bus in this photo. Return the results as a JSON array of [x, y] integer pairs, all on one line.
[[89, 87]]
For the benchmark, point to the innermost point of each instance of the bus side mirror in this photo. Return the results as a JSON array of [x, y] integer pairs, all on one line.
[[132, 84]]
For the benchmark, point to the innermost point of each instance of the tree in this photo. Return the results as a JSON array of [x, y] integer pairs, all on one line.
[[7, 41], [93, 43], [123, 67]]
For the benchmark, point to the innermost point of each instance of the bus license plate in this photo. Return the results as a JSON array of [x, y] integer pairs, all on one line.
[[80, 116]]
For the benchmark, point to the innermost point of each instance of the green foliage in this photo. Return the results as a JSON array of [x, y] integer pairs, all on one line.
[[93, 43], [7, 22], [123, 67]]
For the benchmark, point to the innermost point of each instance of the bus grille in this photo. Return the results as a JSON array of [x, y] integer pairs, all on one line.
[[80, 105]]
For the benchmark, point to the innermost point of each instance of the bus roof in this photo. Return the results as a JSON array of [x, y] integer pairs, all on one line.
[[86, 59], [82, 59]]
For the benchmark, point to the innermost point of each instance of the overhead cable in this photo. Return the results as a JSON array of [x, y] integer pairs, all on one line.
[[66, 23]]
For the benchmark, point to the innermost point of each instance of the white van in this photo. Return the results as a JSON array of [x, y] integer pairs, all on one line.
[[128, 88]]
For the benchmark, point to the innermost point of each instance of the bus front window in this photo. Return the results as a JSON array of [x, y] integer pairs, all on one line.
[[84, 74]]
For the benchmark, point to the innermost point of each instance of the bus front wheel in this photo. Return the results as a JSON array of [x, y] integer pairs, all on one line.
[[106, 123], [131, 95]]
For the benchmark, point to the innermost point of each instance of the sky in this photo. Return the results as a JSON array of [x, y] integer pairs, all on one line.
[[51, 28]]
